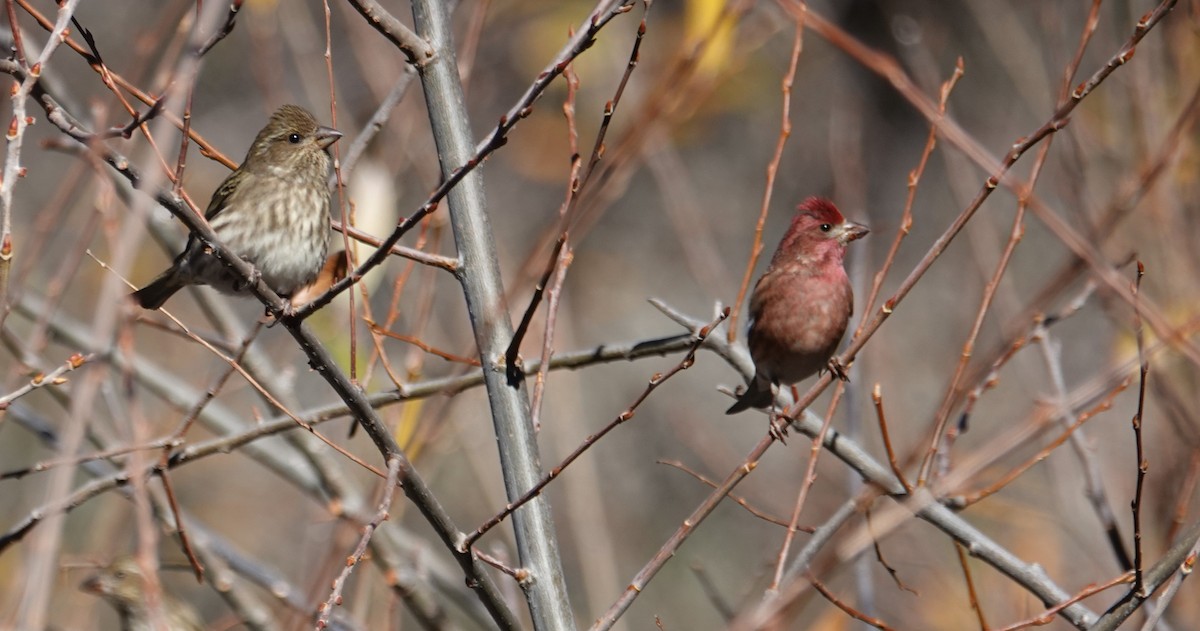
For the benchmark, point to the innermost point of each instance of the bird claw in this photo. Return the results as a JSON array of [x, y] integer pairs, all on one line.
[[777, 427], [838, 370], [287, 312], [242, 284]]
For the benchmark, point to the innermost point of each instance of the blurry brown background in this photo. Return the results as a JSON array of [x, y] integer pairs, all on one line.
[[669, 215]]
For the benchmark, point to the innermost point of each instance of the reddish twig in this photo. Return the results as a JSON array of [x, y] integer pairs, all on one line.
[[686, 528], [655, 381], [1187, 491], [966, 499], [914, 179], [879, 549], [810, 476], [850, 611], [562, 253], [562, 250], [785, 131], [1017, 231], [184, 540], [46, 465], [18, 41], [352, 561], [877, 399], [1048, 615], [520, 574], [499, 136], [446, 355], [972, 596], [740, 501], [115, 80]]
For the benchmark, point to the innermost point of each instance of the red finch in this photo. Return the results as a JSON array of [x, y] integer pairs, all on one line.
[[123, 586], [800, 306], [273, 212]]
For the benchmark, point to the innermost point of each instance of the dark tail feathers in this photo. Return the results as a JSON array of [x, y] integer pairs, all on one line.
[[153, 296], [757, 395]]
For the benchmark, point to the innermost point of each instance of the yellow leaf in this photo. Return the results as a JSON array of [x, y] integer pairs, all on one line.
[[708, 22]]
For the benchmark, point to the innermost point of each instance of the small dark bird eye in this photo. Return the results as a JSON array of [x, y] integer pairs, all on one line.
[[294, 138], [826, 227]]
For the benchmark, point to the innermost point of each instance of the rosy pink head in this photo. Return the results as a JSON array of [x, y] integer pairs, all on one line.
[[818, 231]]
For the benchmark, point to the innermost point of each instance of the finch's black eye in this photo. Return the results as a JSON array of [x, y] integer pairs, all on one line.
[[294, 138], [826, 227]]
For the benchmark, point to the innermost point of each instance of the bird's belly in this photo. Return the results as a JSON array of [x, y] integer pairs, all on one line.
[[802, 334], [288, 260]]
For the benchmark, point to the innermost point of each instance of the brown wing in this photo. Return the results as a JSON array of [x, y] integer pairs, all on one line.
[[221, 196]]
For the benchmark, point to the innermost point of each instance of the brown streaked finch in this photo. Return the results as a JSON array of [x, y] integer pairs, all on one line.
[[122, 584], [800, 307], [272, 212]]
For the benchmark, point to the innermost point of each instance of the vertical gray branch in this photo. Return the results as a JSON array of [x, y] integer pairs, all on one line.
[[537, 545]]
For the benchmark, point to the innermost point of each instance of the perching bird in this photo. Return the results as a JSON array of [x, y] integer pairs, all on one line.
[[122, 584], [800, 307], [273, 212]]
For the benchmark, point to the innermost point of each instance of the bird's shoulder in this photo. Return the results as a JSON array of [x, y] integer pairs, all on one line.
[[236, 183]]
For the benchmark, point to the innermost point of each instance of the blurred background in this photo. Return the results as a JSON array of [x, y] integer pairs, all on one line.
[[669, 213]]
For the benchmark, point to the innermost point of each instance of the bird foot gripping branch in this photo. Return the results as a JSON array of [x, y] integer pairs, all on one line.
[[838, 370], [777, 426]]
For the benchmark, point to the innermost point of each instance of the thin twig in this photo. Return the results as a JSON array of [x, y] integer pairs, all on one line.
[[418, 51], [785, 131], [1172, 589], [1094, 487], [519, 574], [880, 478], [964, 500], [226, 29], [740, 501], [1167, 568], [184, 540], [1048, 616], [914, 179], [877, 399], [876, 543], [972, 596], [562, 250], [685, 529], [1015, 234], [53, 378], [852, 612], [806, 483], [1142, 465], [582, 40], [352, 561], [114, 80], [657, 380]]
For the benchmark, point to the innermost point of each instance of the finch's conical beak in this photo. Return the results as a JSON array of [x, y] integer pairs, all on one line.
[[92, 585], [326, 136], [851, 230]]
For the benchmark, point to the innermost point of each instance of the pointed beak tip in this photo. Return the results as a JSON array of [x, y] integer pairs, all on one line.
[[855, 231], [327, 136]]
